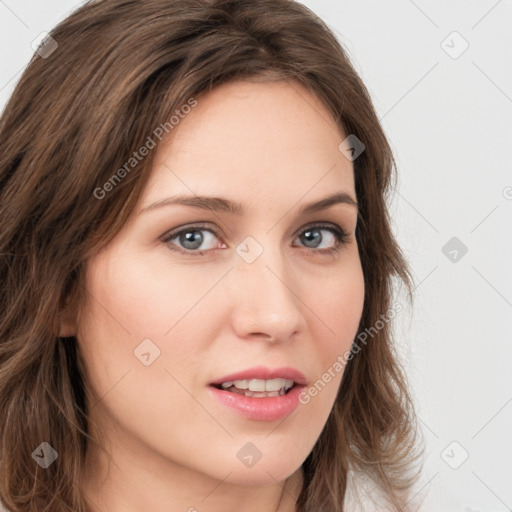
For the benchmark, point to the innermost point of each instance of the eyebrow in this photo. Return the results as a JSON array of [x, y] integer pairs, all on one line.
[[220, 204]]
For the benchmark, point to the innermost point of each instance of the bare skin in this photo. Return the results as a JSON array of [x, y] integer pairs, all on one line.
[[272, 147]]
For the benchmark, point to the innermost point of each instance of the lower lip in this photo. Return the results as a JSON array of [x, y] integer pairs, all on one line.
[[260, 409]]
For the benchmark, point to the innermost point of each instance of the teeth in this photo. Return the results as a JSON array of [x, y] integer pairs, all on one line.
[[258, 385], [241, 384], [263, 395], [257, 394]]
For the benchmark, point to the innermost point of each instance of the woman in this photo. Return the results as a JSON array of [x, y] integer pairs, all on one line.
[[197, 266]]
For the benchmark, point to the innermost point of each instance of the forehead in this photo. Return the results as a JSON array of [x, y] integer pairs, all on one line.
[[272, 136]]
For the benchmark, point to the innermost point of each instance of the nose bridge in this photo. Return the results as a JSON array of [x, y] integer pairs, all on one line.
[[265, 301]]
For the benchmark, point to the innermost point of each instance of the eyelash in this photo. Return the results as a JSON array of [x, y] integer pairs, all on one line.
[[341, 235]]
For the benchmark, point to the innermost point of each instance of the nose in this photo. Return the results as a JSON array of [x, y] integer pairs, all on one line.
[[265, 303]]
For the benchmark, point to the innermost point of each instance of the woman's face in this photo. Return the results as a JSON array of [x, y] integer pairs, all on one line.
[[170, 313]]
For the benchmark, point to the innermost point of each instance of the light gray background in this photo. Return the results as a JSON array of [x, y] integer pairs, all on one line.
[[449, 120]]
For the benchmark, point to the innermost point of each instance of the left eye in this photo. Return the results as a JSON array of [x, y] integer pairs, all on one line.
[[191, 239]]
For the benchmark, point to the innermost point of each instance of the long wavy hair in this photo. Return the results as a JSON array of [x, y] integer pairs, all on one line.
[[112, 72]]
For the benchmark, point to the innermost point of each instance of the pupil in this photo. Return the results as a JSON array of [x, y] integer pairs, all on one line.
[[189, 237]]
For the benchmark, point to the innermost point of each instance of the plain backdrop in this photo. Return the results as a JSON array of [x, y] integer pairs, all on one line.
[[440, 75]]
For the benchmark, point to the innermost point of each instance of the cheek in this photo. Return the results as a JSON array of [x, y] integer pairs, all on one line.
[[132, 300], [338, 305], [146, 297], [338, 309], [129, 311]]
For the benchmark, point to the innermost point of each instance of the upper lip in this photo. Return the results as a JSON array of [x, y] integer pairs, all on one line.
[[264, 373]]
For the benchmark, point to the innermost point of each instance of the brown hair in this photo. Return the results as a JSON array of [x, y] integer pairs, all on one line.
[[121, 69]]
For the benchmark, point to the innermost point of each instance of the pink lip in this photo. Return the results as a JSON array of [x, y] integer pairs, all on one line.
[[260, 409], [264, 373]]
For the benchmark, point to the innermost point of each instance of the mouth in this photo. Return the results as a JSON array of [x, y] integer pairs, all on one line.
[[260, 394], [277, 386]]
